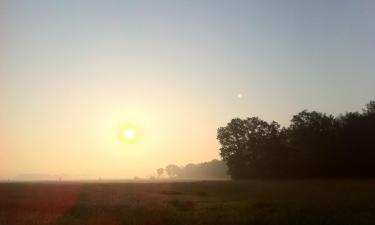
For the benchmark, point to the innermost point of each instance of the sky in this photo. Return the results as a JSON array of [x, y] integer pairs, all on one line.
[[73, 73]]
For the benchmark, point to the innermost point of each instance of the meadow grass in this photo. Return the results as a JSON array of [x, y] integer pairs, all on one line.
[[257, 202]]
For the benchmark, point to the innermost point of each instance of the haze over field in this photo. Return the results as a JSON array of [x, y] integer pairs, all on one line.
[[116, 89]]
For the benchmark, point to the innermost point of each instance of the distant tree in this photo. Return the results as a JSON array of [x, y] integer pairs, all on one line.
[[370, 108], [172, 170], [160, 172], [214, 169]]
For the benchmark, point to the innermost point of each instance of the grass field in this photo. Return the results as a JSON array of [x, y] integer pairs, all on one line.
[[260, 202]]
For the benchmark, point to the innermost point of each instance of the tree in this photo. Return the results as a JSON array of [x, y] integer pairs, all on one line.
[[314, 145], [214, 169], [370, 108], [160, 172], [250, 146], [172, 170], [311, 130], [313, 136]]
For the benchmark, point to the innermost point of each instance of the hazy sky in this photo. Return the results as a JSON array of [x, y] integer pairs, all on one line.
[[73, 72]]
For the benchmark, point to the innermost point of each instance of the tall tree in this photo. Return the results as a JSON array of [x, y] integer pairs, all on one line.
[[249, 146], [313, 136]]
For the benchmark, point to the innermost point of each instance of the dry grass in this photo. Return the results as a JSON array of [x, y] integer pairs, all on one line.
[[257, 202]]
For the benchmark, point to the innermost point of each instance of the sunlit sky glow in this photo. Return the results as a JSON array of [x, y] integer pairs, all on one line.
[[72, 72]]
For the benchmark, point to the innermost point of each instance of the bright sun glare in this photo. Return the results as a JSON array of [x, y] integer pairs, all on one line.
[[128, 134]]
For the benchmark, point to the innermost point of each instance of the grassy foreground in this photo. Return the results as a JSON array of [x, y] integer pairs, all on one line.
[[259, 202]]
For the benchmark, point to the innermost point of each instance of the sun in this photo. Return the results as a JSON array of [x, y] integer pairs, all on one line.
[[128, 134]]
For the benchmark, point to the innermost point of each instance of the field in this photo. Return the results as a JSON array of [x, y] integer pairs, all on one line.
[[258, 202]]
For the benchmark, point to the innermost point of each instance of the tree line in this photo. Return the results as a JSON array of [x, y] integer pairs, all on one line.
[[214, 169], [313, 145]]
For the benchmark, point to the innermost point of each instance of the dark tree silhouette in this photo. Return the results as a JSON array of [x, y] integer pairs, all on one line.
[[370, 108], [312, 137], [250, 147], [314, 145]]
